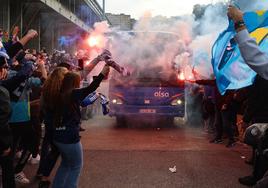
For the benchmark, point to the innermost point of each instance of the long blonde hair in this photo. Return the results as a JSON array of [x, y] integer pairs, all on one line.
[[52, 86]]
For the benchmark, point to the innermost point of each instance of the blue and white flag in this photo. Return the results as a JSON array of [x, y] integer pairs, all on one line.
[[3, 52], [230, 70]]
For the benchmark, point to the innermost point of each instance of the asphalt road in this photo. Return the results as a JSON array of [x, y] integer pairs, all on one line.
[[141, 157]]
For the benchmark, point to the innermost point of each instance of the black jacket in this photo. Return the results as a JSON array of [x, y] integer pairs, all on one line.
[[5, 112], [220, 100], [257, 108], [68, 133]]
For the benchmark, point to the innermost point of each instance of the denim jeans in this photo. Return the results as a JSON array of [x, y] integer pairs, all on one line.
[[71, 164]]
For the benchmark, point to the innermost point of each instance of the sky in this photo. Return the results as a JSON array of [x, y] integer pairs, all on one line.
[[136, 8]]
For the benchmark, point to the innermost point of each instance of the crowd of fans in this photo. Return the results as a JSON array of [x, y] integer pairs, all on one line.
[[36, 87], [239, 113]]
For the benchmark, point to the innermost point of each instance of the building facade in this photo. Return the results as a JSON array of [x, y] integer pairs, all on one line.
[[53, 19], [121, 21]]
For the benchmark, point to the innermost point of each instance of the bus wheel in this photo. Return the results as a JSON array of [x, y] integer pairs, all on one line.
[[121, 121]]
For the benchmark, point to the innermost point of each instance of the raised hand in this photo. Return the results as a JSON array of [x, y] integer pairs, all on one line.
[[105, 55], [15, 31], [3, 73], [235, 14], [32, 33]]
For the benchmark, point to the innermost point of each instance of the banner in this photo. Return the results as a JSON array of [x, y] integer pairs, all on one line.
[[230, 70]]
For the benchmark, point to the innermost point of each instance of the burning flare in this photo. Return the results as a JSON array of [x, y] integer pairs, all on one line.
[[93, 41]]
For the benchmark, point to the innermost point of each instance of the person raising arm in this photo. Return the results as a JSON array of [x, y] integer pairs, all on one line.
[[250, 51]]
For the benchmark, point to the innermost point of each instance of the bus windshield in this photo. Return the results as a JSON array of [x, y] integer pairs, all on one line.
[[148, 77], [148, 55]]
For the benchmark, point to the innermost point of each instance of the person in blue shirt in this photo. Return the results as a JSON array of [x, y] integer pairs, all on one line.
[[250, 51]]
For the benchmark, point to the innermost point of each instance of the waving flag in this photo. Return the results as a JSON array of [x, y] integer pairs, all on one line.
[[3, 52], [230, 70]]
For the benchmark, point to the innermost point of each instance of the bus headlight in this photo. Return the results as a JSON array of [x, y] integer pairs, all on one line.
[[117, 101], [176, 102]]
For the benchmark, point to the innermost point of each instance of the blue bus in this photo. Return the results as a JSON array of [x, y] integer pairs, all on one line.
[[155, 89], [152, 94]]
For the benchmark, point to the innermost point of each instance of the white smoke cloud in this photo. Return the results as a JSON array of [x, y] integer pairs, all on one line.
[[185, 48], [161, 41], [158, 40], [210, 26]]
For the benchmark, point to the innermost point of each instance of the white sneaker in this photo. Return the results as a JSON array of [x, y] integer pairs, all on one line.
[[35, 160], [21, 178]]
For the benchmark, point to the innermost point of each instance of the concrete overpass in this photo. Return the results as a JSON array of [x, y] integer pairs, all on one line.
[[51, 18]]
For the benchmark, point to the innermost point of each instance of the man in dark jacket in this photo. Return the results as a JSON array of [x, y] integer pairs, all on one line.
[[6, 160], [7, 86], [257, 111], [225, 115]]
